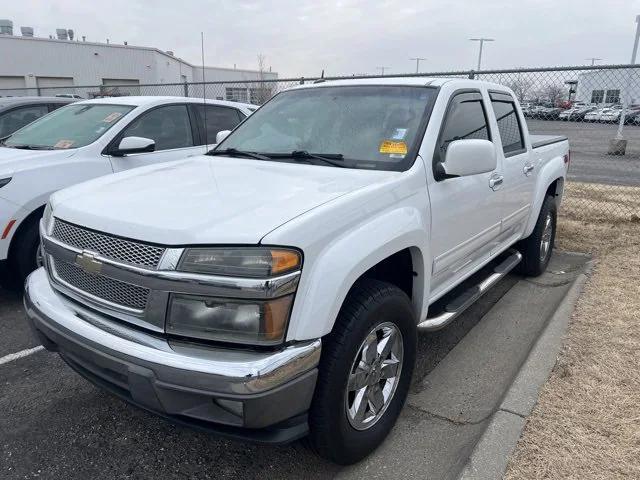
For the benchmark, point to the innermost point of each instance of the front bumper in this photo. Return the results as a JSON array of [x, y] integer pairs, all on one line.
[[256, 395]]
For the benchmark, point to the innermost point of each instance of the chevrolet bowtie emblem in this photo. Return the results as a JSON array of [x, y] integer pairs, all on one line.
[[87, 262]]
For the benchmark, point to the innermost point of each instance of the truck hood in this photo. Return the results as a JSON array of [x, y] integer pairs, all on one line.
[[15, 159], [206, 200]]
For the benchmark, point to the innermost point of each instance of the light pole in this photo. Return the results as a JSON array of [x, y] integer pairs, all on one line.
[[593, 60], [481, 40], [618, 145], [382, 69], [417, 59]]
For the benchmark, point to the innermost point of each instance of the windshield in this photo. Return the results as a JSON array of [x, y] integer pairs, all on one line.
[[72, 126], [369, 126]]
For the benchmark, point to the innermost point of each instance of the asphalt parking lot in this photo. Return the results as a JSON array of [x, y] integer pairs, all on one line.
[[589, 143], [56, 425]]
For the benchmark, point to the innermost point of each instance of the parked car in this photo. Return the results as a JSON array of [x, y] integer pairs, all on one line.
[[275, 287], [576, 113], [16, 112], [92, 138], [604, 114]]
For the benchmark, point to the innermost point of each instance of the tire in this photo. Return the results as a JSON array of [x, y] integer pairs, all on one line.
[[337, 432], [22, 260], [537, 248]]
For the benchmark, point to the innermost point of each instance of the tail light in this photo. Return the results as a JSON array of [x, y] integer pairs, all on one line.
[[567, 159]]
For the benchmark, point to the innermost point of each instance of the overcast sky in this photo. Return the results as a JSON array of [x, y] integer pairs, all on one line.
[[302, 37]]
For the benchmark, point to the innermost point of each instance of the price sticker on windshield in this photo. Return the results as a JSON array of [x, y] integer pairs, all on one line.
[[112, 117], [394, 148], [64, 144]]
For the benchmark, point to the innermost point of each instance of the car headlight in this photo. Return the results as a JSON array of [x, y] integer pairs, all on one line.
[[246, 321], [253, 322], [254, 262]]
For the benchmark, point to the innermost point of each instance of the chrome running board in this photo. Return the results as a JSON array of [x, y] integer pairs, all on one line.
[[469, 296]]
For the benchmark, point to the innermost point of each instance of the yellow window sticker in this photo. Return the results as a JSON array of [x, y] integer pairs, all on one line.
[[64, 144], [389, 146], [112, 117]]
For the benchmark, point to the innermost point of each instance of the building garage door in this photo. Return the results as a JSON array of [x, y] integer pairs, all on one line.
[[51, 86], [12, 87], [120, 86]]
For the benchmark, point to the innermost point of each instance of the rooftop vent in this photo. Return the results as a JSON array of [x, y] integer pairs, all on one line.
[[26, 31], [170, 52], [6, 27], [62, 33]]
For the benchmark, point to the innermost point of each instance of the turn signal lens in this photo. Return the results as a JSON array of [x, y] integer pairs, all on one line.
[[254, 262]]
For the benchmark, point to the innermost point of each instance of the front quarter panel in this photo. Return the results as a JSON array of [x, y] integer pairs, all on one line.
[[344, 238]]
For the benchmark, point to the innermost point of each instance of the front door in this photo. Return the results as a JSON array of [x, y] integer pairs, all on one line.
[[465, 211], [170, 127]]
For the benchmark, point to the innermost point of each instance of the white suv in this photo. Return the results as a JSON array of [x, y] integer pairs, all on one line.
[[92, 138]]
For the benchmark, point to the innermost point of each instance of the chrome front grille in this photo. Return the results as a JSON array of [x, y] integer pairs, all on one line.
[[108, 246], [105, 288]]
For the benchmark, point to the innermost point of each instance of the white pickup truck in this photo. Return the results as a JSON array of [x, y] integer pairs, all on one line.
[[86, 140], [275, 288]]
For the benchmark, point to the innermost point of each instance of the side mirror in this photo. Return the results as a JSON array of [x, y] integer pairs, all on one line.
[[468, 157], [134, 145], [221, 135]]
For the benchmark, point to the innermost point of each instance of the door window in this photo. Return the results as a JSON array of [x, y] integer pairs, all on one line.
[[465, 119], [216, 120], [508, 126], [168, 126], [19, 117]]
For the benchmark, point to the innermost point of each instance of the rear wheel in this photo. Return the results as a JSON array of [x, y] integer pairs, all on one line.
[[365, 372], [536, 249]]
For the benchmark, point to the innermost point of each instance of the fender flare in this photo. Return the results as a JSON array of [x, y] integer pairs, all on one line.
[[325, 287], [550, 172]]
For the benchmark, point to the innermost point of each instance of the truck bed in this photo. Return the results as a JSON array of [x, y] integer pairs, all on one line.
[[538, 141]]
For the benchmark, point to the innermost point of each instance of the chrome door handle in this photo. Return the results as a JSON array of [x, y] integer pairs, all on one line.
[[495, 181], [528, 168]]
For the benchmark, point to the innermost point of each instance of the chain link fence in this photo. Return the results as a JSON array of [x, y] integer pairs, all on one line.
[[591, 105]]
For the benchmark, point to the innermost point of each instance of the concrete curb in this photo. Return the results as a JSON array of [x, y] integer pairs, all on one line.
[[491, 454]]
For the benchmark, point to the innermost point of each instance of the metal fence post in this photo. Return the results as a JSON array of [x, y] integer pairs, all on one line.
[[301, 80], [472, 74]]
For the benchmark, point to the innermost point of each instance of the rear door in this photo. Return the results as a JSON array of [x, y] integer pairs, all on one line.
[[517, 163], [171, 127], [466, 212]]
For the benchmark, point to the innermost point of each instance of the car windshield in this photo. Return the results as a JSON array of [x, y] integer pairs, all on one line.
[[372, 127], [72, 126]]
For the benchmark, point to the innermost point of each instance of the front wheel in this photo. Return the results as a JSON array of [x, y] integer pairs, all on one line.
[[365, 372], [536, 248]]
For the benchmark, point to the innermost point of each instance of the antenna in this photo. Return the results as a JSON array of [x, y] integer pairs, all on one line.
[[204, 94]]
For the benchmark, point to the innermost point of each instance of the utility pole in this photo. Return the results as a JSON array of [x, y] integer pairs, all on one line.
[[618, 145], [417, 59], [593, 60], [481, 40], [382, 69]]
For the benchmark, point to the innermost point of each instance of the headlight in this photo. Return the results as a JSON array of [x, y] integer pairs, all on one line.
[[254, 322], [47, 218], [254, 262]]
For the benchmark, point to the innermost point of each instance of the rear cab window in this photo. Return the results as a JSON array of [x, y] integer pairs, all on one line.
[[509, 123]]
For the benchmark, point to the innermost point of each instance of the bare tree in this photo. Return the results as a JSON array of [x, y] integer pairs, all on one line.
[[553, 94], [521, 87], [263, 91]]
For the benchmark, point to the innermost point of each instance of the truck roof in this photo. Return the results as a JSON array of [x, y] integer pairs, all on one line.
[[404, 81]]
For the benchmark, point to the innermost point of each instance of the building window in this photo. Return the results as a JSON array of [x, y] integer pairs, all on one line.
[[613, 96], [237, 94], [597, 96]]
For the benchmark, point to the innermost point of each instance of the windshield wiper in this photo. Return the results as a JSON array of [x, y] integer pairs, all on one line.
[[30, 147], [328, 158], [234, 152]]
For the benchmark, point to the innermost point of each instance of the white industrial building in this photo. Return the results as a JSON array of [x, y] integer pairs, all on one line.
[[32, 65], [608, 86]]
